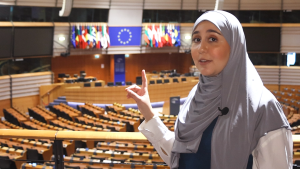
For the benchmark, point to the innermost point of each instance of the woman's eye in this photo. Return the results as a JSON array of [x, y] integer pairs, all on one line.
[[196, 40], [212, 39]]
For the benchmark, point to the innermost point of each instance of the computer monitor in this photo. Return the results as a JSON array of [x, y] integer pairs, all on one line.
[[87, 84], [166, 81], [175, 80], [152, 82], [159, 81], [183, 79], [110, 84], [98, 84], [128, 83], [118, 83]]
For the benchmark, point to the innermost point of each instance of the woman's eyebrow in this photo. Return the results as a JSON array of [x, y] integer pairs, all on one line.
[[211, 30], [195, 32]]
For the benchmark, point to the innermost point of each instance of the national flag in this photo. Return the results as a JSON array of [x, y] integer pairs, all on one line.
[[103, 39], [107, 37], [98, 46], [125, 36], [78, 37], [83, 35], [73, 37], [178, 42]]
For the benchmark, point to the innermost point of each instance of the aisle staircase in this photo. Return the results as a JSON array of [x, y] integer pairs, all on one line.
[[60, 99]]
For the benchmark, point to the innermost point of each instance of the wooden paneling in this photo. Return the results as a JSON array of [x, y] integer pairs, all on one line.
[[74, 64], [108, 95], [24, 103], [163, 4], [53, 94], [134, 64], [290, 39], [4, 104]]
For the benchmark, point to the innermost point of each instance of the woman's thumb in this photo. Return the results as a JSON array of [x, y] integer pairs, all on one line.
[[133, 95]]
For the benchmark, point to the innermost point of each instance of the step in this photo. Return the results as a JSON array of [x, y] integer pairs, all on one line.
[[62, 97]]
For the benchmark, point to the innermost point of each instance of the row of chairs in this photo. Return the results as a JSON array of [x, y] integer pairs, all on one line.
[[110, 84]]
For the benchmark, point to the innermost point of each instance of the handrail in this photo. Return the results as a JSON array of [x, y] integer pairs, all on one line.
[[83, 135], [48, 93], [73, 135]]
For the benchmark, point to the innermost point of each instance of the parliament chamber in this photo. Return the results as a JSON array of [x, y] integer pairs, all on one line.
[[63, 102]]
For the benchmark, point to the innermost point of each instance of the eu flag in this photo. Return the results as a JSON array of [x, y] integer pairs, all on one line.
[[125, 36]]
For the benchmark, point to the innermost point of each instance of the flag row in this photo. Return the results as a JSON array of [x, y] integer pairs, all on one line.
[[102, 36], [87, 37], [161, 35]]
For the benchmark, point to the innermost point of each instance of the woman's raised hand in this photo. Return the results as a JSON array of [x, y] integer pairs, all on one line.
[[141, 97]]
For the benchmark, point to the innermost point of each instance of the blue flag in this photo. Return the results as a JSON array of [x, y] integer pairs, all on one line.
[[73, 37], [125, 36]]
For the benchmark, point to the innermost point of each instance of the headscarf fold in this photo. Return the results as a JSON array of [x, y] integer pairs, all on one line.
[[253, 110]]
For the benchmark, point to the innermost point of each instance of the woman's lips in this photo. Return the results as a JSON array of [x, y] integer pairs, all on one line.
[[204, 62]]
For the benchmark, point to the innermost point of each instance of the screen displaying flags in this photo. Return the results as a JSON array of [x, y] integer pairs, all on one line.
[[90, 36], [125, 36], [161, 35]]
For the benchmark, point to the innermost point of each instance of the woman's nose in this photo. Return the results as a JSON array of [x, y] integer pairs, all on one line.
[[202, 47]]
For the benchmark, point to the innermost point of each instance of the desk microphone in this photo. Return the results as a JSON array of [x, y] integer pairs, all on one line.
[[223, 111]]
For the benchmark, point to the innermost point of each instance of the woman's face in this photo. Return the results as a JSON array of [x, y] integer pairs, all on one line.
[[210, 50]]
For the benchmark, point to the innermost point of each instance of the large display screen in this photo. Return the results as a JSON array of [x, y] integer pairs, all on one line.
[[262, 39], [33, 41], [5, 42]]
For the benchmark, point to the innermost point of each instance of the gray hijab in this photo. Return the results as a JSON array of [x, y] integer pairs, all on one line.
[[253, 110]]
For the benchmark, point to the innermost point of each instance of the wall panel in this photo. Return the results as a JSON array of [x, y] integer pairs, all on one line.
[[4, 104], [291, 4], [156, 62], [4, 88], [268, 74], [26, 102], [185, 43], [7, 2], [24, 85], [91, 4], [74, 64], [290, 39], [290, 75], [206, 5], [162, 4], [45, 3], [260, 5], [189, 5], [230, 5], [61, 30], [128, 4]]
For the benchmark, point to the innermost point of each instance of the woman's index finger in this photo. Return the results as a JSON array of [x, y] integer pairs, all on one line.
[[144, 79]]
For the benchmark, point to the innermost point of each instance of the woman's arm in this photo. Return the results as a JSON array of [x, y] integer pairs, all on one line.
[[274, 151], [160, 137]]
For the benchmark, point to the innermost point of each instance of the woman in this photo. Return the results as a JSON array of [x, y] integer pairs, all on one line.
[[229, 120]]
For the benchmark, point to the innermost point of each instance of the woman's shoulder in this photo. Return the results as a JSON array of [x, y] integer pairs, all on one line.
[[269, 104]]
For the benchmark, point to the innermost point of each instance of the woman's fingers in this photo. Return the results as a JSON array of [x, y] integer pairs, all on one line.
[[134, 88], [132, 94], [144, 80]]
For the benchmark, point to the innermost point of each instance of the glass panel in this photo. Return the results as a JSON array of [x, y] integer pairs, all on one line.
[[101, 15], [32, 14], [291, 16], [190, 16], [30, 65], [265, 58], [5, 13], [88, 15], [259, 16], [56, 17], [164, 16], [284, 60]]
